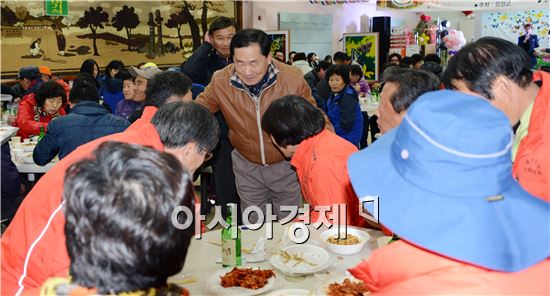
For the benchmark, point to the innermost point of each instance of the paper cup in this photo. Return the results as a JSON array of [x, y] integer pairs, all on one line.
[[17, 154]]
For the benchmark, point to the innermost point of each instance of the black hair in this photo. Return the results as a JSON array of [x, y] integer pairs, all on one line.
[[411, 83], [88, 66], [340, 57], [323, 65], [221, 22], [432, 57], [114, 64], [84, 89], [341, 70], [292, 119], [300, 56], [248, 37], [179, 123], [406, 62], [124, 75], [50, 89], [328, 58], [478, 64], [416, 58], [164, 85], [118, 207], [394, 54], [310, 57], [356, 70]]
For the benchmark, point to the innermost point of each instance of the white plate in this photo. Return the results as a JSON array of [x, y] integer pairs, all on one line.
[[214, 287], [290, 292], [313, 254]]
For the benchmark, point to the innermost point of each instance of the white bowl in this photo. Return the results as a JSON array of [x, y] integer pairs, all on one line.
[[345, 249]]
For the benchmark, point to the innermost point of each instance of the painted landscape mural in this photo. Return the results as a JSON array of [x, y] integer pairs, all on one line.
[[165, 32]]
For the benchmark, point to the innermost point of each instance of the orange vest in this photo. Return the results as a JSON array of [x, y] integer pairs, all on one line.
[[32, 228], [320, 163], [146, 116], [532, 164], [403, 269]]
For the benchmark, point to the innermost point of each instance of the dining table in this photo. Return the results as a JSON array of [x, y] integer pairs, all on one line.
[[203, 267], [22, 158]]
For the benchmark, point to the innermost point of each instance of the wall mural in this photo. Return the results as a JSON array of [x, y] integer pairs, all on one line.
[[509, 25], [165, 32]]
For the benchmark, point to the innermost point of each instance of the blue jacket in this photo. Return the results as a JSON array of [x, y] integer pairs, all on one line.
[[344, 113], [111, 91], [87, 121]]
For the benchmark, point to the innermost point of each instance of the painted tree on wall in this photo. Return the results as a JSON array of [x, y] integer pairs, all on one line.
[[93, 19], [214, 6], [177, 20], [126, 18], [8, 17], [195, 32]]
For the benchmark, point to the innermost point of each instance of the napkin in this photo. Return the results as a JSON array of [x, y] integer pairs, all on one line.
[[258, 254]]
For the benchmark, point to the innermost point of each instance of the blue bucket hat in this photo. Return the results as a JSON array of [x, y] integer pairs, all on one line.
[[444, 183]]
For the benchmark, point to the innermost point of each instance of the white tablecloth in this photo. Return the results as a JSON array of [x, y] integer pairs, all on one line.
[[200, 262]]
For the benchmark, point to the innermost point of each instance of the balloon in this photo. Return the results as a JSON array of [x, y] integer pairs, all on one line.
[[455, 40], [423, 39]]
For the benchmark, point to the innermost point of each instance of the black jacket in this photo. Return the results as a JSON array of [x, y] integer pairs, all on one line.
[[312, 79], [87, 121], [202, 64]]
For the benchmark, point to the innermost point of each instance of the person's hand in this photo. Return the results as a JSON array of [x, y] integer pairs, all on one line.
[[357, 87]]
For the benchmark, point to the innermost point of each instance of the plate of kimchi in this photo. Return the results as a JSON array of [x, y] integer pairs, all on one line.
[[242, 281]]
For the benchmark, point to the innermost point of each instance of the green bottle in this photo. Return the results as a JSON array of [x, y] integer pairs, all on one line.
[[231, 239], [41, 135]]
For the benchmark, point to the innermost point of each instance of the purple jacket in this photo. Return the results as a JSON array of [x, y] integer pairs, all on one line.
[[126, 107]]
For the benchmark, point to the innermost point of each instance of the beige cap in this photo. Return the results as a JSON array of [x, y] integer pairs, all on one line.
[[147, 72]]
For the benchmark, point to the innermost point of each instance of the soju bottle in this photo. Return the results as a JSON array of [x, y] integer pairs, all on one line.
[[41, 135], [231, 239]]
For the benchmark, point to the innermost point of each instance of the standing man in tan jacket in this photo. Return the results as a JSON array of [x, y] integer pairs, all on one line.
[[242, 91]]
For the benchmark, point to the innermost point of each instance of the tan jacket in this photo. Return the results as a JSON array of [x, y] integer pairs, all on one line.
[[243, 114]]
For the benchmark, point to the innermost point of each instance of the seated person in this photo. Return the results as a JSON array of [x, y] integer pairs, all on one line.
[[357, 81], [432, 63], [313, 78], [36, 110], [342, 106], [401, 88], [27, 77], [112, 84], [319, 156], [113, 249], [87, 121], [445, 187], [127, 106], [33, 246]]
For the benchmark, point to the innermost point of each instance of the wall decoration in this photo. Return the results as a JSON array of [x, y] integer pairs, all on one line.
[[165, 32], [454, 5], [363, 48], [509, 25], [280, 40]]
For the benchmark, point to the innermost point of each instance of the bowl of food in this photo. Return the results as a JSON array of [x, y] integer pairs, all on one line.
[[343, 287], [28, 146], [349, 242]]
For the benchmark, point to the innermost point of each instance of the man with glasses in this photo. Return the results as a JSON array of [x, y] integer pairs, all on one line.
[[33, 246]]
